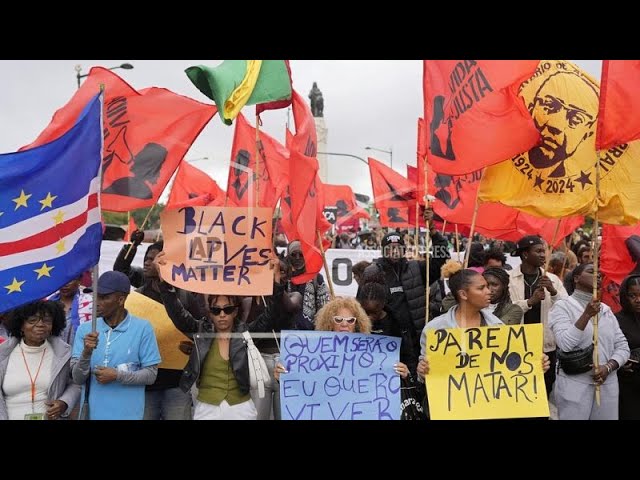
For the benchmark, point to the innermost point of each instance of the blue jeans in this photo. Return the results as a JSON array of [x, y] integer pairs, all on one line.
[[169, 404], [268, 407]]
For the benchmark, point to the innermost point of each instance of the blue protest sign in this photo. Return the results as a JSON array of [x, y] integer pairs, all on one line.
[[339, 376]]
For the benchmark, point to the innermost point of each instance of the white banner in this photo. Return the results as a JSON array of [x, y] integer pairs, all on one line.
[[339, 261]]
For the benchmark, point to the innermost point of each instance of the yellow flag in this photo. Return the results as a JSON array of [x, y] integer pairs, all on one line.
[[557, 177]]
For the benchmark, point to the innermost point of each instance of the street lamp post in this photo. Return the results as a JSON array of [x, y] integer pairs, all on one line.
[[126, 66], [390, 152], [345, 155]]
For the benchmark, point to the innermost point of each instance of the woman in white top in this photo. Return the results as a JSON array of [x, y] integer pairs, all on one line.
[[35, 375]]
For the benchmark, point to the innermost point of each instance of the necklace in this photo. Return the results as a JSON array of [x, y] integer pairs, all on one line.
[[532, 284]]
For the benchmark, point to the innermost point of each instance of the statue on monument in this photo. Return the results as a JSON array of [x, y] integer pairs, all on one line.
[[317, 102]]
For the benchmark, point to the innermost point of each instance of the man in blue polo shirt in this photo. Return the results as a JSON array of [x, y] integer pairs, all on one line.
[[121, 356]]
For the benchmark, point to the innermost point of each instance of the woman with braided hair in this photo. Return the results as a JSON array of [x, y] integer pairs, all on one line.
[[501, 305]]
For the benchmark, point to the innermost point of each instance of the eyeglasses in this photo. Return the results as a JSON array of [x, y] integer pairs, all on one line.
[[228, 310], [349, 320], [47, 320]]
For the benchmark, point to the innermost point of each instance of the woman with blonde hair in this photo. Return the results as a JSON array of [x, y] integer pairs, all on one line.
[[351, 317], [344, 315]]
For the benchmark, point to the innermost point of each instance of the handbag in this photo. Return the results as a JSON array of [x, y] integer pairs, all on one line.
[[258, 372], [411, 403], [576, 361]]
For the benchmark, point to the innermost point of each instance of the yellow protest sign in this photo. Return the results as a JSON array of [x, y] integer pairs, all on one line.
[[216, 250], [167, 335], [486, 372]]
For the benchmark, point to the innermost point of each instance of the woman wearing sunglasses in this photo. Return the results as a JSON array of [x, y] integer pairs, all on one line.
[[344, 315], [35, 372], [219, 364]]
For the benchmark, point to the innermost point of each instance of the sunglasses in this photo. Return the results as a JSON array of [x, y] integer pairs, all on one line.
[[228, 310], [349, 320]]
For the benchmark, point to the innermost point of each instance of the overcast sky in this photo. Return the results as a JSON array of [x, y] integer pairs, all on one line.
[[367, 103]]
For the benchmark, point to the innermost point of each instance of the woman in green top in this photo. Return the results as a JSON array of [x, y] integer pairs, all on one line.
[[219, 363]]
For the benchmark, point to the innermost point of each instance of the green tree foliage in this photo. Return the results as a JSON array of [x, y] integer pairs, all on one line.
[[120, 218]]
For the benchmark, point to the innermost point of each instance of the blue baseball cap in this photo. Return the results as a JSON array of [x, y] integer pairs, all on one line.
[[111, 282]]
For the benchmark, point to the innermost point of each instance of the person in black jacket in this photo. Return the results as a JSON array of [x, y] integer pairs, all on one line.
[[163, 400], [406, 279], [373, 297], [219, 364]]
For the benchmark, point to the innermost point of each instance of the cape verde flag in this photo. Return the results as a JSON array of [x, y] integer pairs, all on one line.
[[50, 229]]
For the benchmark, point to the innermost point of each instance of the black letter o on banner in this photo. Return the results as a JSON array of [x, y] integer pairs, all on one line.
[[334, 271]]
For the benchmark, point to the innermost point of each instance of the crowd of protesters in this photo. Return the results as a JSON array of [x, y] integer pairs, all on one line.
[[53, 365]]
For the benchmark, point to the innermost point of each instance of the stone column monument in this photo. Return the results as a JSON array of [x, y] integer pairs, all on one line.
[[317, 109]]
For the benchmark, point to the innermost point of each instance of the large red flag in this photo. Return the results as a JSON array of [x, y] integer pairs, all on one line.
[[619, 257], [619, 110], [146, 135], [305, 189], [243, 172], [393, 195], [473, 113], [193, 185]]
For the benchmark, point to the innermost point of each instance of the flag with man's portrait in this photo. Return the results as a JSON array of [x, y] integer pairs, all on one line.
[[50, 228], [557, 178]]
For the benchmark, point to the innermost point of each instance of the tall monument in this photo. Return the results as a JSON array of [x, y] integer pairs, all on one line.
[[317, 109]]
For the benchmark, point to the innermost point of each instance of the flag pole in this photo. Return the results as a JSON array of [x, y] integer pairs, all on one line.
[[457, 243], [596, 254], [566, 259], [144, 222], [416, 236], [326, 268], [444, 226], [473, 226], [427, 238], [257, 177], [95, 271]]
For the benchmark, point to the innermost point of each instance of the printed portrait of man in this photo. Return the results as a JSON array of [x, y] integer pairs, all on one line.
[[564, 109]]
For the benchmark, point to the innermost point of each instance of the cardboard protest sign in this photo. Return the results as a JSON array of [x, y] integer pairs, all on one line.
[[339, 376], [215, 250], [486, 372], [167, 335]]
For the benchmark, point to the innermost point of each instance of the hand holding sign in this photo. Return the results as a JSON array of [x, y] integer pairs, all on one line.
[[160, 259]]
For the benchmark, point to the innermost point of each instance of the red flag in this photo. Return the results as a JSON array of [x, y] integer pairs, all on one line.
[[241, 187], [194, 187], [619, 111], [340, 202], [146, 135], [305, 190], [393, 195], [473, 113], [620, 252], [130, 229], [422, 160]]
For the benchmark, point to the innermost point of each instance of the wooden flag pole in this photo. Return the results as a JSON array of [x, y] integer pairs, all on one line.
[[326, 268], [144, 222], [596, 254], [473, 226], [257, 176], [444, 226], [427, 242], [566, 259], [457, 243], [416, 236]]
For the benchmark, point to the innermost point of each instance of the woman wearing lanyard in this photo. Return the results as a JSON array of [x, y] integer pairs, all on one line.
[[35, 376]]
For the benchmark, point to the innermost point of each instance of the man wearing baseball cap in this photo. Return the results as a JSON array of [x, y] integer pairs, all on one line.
[[535, 291], [121, 356], [406, 279]]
